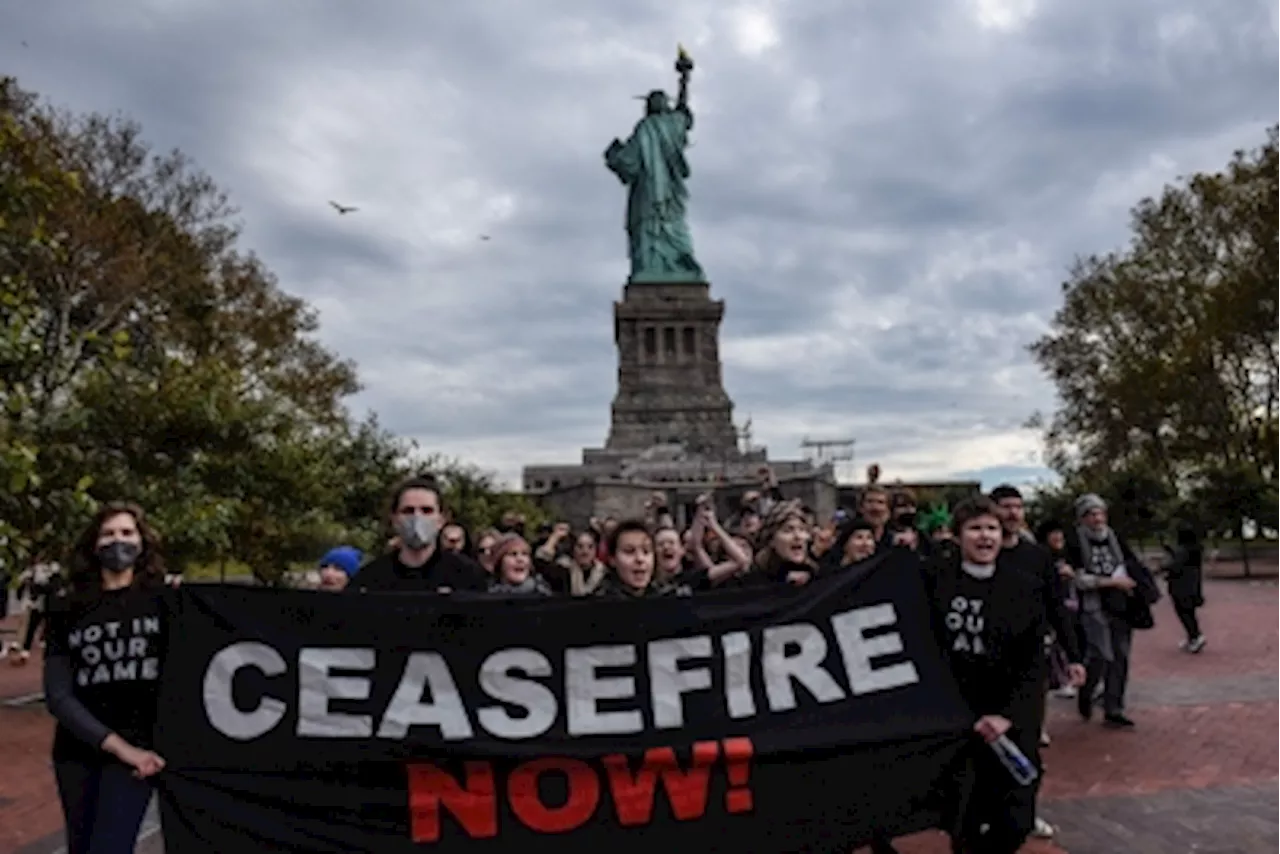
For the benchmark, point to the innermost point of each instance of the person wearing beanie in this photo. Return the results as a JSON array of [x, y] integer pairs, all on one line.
[[338, 566], [1116, 594], [855, 542], [782, 545], [513, 573]]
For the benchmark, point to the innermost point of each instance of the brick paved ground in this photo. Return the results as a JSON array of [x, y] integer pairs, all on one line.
[[1199, 774]]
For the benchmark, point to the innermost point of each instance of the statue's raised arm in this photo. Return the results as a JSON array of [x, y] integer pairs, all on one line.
[[653, 166], [684, 65]]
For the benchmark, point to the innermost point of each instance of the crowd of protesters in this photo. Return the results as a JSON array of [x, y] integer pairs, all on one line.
[[1019, 614]]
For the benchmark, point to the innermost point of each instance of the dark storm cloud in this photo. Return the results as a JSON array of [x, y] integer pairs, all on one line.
[[887, 195]]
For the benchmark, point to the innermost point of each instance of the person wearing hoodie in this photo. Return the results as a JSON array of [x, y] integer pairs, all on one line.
[[513, 573], [1116, 594], [337, 568]]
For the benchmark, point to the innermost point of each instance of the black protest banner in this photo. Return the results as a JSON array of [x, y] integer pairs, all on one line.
[[747, 721]]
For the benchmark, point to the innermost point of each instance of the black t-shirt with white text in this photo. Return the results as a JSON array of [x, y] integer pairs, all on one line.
[[992, 630], [115, 641]]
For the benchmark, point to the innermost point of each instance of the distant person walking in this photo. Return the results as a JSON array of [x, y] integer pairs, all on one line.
[[37, 586], [1185, 574]]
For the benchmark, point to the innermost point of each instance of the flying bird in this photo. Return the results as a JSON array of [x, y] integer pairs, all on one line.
[[342, 209], [484, 237]]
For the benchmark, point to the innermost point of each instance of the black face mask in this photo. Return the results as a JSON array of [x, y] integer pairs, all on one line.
[[118, 556]]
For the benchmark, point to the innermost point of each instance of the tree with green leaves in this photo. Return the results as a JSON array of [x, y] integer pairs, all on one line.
[[473, 499], [1164, 354], [33, 184], [145, 355]]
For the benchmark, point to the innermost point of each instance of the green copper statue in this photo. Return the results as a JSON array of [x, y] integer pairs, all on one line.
[[652, 165]]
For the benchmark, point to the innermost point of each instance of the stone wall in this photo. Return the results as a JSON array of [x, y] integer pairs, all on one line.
[[670, 382], [577, 504]]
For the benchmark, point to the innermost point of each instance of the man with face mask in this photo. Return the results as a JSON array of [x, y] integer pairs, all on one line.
[[415, 563]]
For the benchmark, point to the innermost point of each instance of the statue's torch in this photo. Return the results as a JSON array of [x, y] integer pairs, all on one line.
[[684, 62]]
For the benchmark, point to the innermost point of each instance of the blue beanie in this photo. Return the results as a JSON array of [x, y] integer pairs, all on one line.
[[345, 558]]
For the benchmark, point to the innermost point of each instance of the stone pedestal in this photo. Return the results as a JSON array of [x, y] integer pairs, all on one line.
[[670, 383], [672, 421]]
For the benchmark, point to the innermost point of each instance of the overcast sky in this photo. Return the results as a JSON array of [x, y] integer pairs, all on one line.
[[886, 193]]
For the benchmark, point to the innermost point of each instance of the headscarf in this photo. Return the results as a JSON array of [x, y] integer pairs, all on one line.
[[777, 515]]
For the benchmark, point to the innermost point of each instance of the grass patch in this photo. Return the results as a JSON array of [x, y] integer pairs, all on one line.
[[213, 571], [235, 571]]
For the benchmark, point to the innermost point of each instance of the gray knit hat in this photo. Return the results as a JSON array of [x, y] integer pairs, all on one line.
[[1089, 501]]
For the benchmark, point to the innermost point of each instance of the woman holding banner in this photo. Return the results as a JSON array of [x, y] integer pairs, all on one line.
[[106, 639]]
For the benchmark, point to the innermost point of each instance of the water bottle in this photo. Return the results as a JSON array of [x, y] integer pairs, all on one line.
[[1013, 759]]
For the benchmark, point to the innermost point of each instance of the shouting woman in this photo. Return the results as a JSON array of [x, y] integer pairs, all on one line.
[[106, 639], [782, 546]]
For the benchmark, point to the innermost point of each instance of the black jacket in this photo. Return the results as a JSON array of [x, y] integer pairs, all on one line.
[[442, 571], [1185, 573], [1134, 607]]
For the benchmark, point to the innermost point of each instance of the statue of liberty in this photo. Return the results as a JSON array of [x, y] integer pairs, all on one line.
[[652, 165]]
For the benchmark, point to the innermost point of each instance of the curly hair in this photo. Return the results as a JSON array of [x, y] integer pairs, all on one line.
[[148, 571]]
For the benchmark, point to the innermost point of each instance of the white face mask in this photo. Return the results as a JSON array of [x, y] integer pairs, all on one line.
[[417, 532]]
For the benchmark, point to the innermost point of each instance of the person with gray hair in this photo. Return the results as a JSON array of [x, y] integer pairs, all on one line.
[[1116, 595]]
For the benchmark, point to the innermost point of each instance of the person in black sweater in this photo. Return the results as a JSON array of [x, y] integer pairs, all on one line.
[[1184, 571], [991, 621], [416, 562], [106, 639], [1022, 554]]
